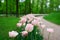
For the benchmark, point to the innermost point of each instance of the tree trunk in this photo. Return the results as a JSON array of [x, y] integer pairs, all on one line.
[[30, 6], [0, 2], [17, 14], [6, 8], [25, 7]]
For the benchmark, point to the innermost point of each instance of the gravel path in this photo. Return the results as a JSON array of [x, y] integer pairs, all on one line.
[[53, 36]]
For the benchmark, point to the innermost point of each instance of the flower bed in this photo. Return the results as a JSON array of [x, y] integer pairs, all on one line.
[[29, 29]]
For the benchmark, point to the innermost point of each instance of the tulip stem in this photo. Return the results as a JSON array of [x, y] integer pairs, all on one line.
[[42, 31], [13, 38], [31, 36], [49, 36]]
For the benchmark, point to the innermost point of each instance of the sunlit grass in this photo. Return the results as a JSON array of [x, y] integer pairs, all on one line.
[[53, 17]]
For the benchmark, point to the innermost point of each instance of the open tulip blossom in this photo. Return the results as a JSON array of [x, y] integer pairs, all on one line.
[[50, 30], [19, 24], [29, 27], [23, 20], [30, 16], [24, 33], [43, 26], [13, 34], [35, 22], [30, 20], [37, 18]]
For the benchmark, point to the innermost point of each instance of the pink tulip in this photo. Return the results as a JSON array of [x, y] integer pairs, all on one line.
[[50, 30], [23, 20], [13, 34], [37, 18], [43, 26], [19, 24], [30, 16], [35, 22], [30, 20], [29, 28], [24, 33]]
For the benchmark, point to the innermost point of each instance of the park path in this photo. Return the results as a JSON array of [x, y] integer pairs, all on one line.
[[53, 36]]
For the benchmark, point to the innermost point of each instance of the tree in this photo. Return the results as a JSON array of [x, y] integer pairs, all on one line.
[[17, 14], [29, 6], [6, 8], [0, 2]]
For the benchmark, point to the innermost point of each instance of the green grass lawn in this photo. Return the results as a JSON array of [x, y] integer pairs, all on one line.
[[53, 17], [7, 24]]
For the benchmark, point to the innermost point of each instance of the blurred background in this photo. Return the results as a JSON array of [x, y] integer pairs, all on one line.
[[23, 7]]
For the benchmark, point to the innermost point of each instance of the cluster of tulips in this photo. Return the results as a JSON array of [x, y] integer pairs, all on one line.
[[28, 26]]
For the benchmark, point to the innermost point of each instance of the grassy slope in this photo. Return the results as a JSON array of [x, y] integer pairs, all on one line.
[[7, 24], [53, 17]]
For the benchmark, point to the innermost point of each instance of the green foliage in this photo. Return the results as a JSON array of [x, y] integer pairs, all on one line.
[[28, 7]]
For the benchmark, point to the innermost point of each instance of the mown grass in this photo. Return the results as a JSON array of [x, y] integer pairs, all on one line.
[[7, 24], [53, 17]]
